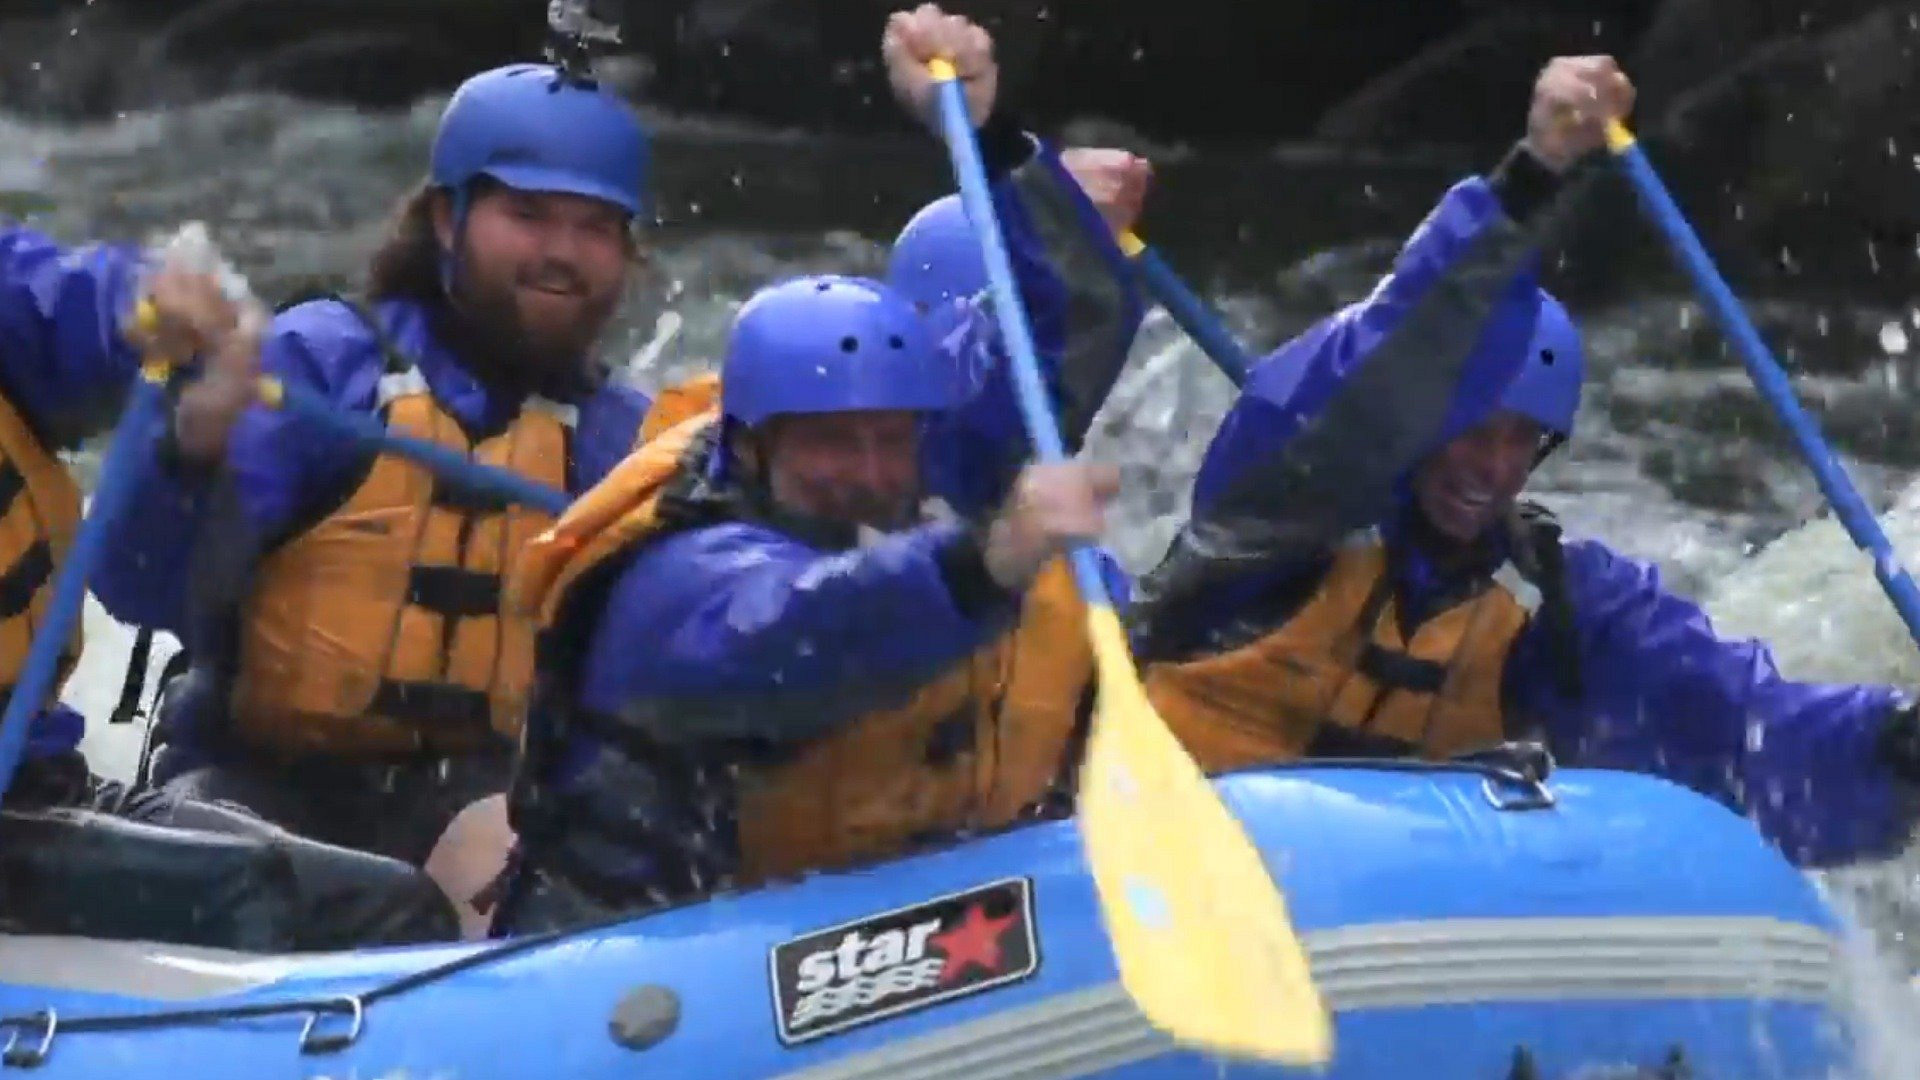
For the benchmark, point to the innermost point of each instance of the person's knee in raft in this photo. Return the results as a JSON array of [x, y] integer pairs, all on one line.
[[497, 277], [469, 860]]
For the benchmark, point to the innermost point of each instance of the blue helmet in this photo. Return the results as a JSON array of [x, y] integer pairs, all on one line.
[[936, 258], [1547, 389], [531, 128], [832, 344]]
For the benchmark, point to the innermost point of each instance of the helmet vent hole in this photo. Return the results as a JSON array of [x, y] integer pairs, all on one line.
[[849, 344], [894, 342], [822, 286], [1546, 357]]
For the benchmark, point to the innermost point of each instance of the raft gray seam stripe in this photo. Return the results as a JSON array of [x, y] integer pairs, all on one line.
[[1378, 966]]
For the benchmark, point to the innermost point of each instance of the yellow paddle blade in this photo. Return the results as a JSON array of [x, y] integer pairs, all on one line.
[[1199, 927]]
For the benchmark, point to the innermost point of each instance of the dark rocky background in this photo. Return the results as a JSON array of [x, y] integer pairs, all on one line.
[[1788, 127]]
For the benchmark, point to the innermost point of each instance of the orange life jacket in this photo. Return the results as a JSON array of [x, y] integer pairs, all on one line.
[[382, 629], [974, 748], [39, 514], [1342, 671]]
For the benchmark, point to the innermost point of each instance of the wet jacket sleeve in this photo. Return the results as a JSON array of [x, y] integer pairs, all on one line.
[[1663, 694], [738, 613], [63, 362], [1463, 277], [1082, 306], [276, 469], [65, 365], [1327, 427]]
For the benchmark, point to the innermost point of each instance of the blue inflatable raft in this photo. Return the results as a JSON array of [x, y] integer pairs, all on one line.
[[1462, 922]]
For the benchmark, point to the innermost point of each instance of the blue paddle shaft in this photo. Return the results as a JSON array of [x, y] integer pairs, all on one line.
[[145, 409], [371, 433], [1194, 315], [1774, 386], [1037, 411]]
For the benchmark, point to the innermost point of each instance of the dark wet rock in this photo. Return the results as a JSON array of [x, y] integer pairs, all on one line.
[[1787, 129], [1712, 477], [1817, 338]]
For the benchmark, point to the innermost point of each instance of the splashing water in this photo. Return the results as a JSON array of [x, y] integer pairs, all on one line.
[[1813, 595], [1676, 459]]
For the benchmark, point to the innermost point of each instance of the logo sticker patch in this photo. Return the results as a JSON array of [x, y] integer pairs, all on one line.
[[902, 960]]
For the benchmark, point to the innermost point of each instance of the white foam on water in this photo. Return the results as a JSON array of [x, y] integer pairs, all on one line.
[[1675, 461], [1879, 999], [1813, 597], [112, 749]]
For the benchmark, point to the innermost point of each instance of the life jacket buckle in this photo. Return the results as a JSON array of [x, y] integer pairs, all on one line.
[[328, 1042], [16, 1056]]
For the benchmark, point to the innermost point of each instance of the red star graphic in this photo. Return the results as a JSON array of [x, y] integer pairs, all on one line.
[[975, 940]]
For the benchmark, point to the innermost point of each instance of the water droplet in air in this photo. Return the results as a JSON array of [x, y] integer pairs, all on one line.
[[1893, 339]]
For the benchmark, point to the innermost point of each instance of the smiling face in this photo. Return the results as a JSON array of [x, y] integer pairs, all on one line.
[[859, 468], [544, 271], [1472, 482]]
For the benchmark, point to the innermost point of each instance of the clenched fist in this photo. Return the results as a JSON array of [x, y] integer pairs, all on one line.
[[1053, 508], [1114, 180], [914, 38], [1573, 99]]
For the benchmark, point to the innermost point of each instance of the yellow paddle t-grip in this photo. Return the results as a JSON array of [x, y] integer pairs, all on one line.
[[1619, 138], [154, 367]]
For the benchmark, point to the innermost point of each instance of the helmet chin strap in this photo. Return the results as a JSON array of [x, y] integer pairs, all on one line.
[[462, 199], [1553, 441]]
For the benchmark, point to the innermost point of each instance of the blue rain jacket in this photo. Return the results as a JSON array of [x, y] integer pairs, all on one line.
[[1662, 693], [65, 368], [286, 471], [744, 609]]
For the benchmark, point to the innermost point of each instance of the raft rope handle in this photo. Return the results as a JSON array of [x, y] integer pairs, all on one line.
[[327, 1043], [16, 1056], [1517, 765], [353, 1005]]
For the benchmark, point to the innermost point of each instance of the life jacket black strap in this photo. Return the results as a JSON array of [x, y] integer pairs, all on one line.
[[12, 483], [433, 705], [1541, 560], [24, 578], [454, 591], [1333, 740], [135, 679], [1400, 671]]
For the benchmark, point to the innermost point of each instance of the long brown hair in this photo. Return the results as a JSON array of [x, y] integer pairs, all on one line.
[[406, 265]]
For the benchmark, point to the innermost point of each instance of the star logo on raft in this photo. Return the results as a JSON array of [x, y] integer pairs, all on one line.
[[975, 942], [904, 960]]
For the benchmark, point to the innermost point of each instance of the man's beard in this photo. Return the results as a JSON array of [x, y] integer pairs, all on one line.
[[517, 353]]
